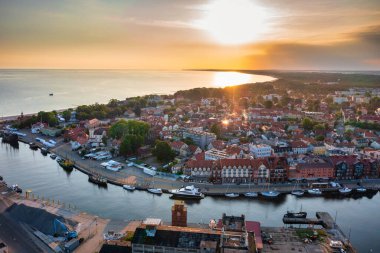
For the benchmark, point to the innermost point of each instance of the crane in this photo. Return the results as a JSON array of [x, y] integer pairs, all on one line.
[[60, 227]]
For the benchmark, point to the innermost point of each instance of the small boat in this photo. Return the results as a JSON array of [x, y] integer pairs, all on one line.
[[157, 191], [16, 188], [297, 193], [1, 178], [314, 191], [270, 194], [44, 151], [189, 192], [51, 94], [129, 187], [97, 179], [361, 189], [345, 190], [66, 164], [231, 195], [251, 194], [33, 146], [298, 215], [53, 156]]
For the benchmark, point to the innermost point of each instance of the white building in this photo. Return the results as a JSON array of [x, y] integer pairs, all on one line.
[[260, 150], [214, 154], [339, 99]]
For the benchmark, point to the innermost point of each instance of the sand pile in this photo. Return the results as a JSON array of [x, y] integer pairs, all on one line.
[[37, 218]]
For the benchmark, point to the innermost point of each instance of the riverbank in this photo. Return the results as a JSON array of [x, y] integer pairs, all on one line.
[[134, 176], [31, 220]]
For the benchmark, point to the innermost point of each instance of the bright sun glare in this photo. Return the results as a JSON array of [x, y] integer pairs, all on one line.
[[223, 79], [233, 22]]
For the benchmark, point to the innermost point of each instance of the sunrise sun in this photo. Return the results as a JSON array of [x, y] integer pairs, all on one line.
[[234, 22]]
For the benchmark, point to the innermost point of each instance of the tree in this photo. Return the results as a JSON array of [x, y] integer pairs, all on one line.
[[320, 138], [132, 127], [268, 104], [66, 114], [308, 124], [188, 141], [216, 130], [163, 151]]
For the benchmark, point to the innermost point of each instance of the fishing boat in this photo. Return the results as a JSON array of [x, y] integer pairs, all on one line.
[[270, 194], [33, 146], [251, 194], [231, 195], [97, 179], [361, 189], [189, 192], [129, 187], [345, 190], [44, 151], [53, 156], [66, 164], [157, 191], [314, 191], [298, 215]]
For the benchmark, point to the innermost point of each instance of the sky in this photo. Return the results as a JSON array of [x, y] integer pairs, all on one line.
[[183, 34]]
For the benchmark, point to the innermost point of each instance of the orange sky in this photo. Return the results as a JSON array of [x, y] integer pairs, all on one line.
[[158, 34]]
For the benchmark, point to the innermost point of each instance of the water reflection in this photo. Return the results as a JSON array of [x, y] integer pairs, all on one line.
[[223, 79]]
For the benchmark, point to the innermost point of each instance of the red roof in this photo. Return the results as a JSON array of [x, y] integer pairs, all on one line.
[[254, 226]]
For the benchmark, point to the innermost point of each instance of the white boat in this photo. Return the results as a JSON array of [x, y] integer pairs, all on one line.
[[188, 192], [231, 195], [297, 193], [129, 187], [270, 194], [345, 190], [251, 194], [361, 189], [155, 190], [315, 191]]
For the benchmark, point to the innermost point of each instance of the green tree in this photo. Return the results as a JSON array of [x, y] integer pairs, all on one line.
[[132, 127], [66, 114], [216, 130], [320, 138], [308, 124], [163, 151]]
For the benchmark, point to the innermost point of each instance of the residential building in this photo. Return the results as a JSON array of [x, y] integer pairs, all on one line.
[[260, 150], [299, 147], [214, 154], [201, 138]]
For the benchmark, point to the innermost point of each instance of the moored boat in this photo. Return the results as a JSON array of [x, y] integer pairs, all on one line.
[[231, 195], [251, 194], [66, 164], [345, 190], [361, 189], [298, 215], [190, 192], [157, 191], [314, 191], [33, 146], [44, 151], [97, 179], [270, 194], [53, 156], [16, 188], [297, 193], [129, 187]]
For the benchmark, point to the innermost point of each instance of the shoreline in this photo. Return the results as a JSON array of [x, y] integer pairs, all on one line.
[[14, 117], [133, 175]]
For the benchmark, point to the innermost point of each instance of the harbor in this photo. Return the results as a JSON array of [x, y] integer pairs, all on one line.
[[46, 178]]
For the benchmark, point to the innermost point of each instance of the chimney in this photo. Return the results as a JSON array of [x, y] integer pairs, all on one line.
[[179, 214]]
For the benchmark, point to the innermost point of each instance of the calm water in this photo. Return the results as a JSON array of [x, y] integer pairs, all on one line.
[[33, 171], [28, 91]]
